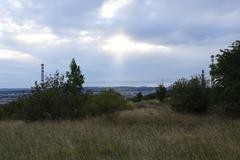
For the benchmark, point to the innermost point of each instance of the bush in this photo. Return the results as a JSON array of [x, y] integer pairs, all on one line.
[[51, 105], [151, 96], [45, 105], [139, 97], [107, 102], [189, 96], [161, 92]]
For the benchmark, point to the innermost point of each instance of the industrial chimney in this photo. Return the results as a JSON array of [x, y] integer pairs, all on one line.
[[42, 74]]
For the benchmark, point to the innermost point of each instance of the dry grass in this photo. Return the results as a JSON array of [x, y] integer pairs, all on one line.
[[141, 134]]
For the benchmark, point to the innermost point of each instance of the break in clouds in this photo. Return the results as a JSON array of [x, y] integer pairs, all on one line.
[[116, 42]]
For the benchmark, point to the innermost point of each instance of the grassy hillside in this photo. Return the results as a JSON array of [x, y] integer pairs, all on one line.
[[141, 134]]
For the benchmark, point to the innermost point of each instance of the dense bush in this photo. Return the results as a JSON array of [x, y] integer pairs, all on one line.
[[189, 96], [107, 102], [50, 105]]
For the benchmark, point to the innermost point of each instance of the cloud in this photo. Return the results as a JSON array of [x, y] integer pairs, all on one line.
[[40, 38], [87, 37], [122, 44], [111, 7], [7, 25], [30, 33], [6, 54], [19, 4]]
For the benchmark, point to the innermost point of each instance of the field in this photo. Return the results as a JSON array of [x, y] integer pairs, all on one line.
[[140, 134]]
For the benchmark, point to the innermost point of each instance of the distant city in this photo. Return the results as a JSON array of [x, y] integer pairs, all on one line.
[[9, 95]]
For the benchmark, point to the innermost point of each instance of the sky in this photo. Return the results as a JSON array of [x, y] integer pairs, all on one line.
[[116, 42]]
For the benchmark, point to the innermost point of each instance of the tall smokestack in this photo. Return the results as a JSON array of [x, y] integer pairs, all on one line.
[[42, 74], [212, 65]]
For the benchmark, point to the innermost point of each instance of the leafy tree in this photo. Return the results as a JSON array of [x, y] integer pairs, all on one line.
[[55, 81], [190, 95], [226, 74], [75, 79], [161, 92]]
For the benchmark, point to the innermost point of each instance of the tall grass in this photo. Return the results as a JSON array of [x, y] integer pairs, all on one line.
[[141, 134]]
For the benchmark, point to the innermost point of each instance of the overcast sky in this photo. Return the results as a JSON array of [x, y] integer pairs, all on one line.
[[116, 42]]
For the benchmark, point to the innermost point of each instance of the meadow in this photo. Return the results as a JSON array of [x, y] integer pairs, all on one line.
[[150, 133]]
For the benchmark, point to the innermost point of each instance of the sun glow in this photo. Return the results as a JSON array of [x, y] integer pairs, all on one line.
[[122, 45]]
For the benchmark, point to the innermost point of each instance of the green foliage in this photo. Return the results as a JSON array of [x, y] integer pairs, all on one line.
[[71, 83], [151, 96], [45, 105], [161, 92], [53, 82], [107, 102], [52, 105], [75, 79], [226, 76], [190, 95], [138, 97]]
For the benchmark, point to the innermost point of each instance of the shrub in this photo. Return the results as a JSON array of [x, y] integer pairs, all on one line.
[[45, 105], [139, 97], [107, 102], [50, 105], [189, 96], [161, 92], [151, 96]]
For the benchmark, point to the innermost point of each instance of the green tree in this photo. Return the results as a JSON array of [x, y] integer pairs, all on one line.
[[190, 95], [55, 81], [52, 82], [75, 79], [226, 74], [161, 92]]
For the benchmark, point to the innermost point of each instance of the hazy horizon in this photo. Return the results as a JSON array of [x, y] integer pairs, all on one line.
[[116, 42]]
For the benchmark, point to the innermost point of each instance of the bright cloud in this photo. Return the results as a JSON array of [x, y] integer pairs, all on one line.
[[30, 33], [15, 55], [121, 44], [111, 7], [40, 38]]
